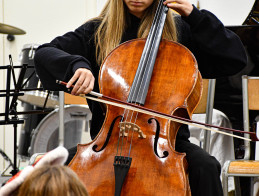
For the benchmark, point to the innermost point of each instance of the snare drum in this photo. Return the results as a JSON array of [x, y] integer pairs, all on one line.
[[36, 98], [76, 129]]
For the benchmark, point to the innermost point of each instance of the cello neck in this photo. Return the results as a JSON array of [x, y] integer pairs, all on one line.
[[139, 89]]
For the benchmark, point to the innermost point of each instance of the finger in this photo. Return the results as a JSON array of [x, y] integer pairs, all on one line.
[[84, 86], [169, 2], [183, 7], [173, 4], [90, 86], [78, 84], [73, 79], [174, 1]]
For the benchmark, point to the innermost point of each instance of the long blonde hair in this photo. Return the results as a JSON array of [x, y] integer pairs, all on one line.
[[113, 19]]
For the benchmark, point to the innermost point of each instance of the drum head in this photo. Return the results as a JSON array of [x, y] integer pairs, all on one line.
[[46, 136]]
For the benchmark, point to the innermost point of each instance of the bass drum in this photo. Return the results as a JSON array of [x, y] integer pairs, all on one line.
[[76, 129]]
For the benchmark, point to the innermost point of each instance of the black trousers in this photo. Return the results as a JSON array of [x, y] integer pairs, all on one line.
[[204, 169]]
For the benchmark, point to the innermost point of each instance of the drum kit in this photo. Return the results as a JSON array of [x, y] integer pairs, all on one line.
[[40, 129]]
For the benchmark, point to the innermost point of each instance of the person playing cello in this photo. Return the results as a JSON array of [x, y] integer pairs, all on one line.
[[76, 58]]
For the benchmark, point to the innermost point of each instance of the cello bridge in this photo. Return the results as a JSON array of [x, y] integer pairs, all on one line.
[[126, 127]]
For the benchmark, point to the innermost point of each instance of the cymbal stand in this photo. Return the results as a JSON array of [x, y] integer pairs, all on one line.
[[7, 159], [14, 120], [11, 109]]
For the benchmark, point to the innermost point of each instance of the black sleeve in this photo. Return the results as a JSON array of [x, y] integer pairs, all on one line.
[[59, 59], [219, 51]]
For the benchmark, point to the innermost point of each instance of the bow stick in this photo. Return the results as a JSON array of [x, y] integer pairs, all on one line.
[[115, 102]]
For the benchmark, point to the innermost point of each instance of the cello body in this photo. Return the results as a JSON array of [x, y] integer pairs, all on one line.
[[156, 168]]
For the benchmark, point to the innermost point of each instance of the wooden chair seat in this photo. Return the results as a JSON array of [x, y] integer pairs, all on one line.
[[72, 99], [243, 167]]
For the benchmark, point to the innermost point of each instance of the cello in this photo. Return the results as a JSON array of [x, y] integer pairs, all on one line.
[[133, 154]]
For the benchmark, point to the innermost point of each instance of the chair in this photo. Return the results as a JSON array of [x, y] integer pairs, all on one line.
[[244, 167], [206, 107], [212, 141]]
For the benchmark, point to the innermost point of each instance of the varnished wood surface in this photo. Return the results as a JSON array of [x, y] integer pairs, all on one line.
[[147, 174], [72, 99], [201, 108], [253, 94], [174, 89], [244, 167]]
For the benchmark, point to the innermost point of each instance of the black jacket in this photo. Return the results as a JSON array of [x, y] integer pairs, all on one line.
[[219, 52]]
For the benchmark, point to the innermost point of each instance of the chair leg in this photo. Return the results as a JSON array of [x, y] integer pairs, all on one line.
[[252, 182], [256, 186], [225, 184], [225, 178], [237, 186]]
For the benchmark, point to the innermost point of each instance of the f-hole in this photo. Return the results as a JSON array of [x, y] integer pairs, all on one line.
[[108, 135], [165, 153]]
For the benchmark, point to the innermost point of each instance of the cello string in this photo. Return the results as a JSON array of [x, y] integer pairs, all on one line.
[[152, 36], [146, 56], [130, 129], [122, 132], [142, 66], [149, 69]]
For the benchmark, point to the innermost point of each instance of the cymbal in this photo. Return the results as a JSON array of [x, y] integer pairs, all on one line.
[[8, 29]]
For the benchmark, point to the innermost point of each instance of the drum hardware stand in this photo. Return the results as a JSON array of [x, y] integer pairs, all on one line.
[[7, 159], [14, 120], [61, 118], [11, 109]]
